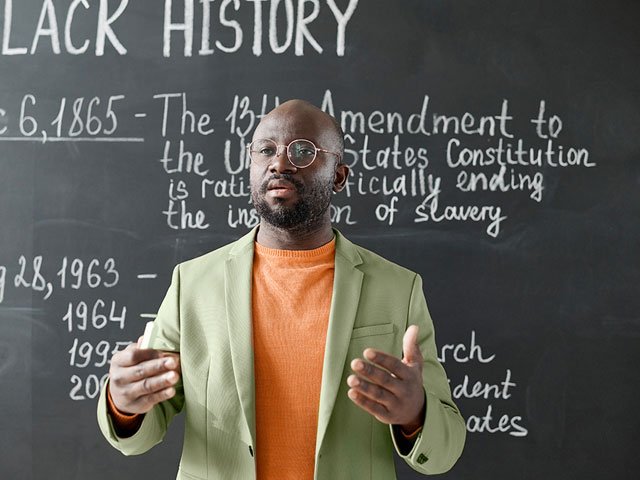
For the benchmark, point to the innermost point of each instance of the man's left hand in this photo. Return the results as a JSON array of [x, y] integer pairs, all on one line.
[[394, 398]]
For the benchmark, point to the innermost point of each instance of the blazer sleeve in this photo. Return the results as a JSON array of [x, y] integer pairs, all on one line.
[[156, 421], [441, 440]]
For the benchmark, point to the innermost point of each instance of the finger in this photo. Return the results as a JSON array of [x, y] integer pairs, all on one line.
[[389, 362], [151, 385], [372, 391], [128, 375], [410, 348], [372, 407], [139, 342], [146, 402], [375, 375], [160, 396], [132, 355], [175, 356]]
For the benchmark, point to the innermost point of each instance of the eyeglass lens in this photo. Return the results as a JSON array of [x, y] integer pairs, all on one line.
[[301, 152]]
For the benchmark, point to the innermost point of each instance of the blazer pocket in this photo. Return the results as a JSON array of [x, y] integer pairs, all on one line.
[[372, 330]]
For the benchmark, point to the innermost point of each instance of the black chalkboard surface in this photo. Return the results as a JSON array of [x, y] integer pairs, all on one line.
[[494, 148]]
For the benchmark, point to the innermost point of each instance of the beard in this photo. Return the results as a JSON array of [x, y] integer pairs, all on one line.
[[313, 202]]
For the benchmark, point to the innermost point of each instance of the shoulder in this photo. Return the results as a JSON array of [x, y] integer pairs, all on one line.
[[371, 262], [215, 259]]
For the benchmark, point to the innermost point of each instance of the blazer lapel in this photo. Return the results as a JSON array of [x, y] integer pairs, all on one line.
[[237, 285], [347, 283]]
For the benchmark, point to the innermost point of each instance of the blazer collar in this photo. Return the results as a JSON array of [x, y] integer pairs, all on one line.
[[347, 284]]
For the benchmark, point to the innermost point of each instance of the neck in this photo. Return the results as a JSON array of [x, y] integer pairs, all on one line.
[[271, 236]]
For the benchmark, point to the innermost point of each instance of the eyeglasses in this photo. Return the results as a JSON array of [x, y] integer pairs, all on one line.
[[301, 153]]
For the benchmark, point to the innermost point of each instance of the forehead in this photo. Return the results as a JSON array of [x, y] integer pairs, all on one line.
[[286, 124]]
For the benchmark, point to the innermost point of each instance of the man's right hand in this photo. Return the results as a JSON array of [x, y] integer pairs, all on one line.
[[140, 378]]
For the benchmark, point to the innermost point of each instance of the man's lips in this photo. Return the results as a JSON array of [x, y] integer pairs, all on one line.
[[280, 185], [281, 189]]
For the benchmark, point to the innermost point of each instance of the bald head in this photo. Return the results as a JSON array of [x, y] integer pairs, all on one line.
[[299, 119]]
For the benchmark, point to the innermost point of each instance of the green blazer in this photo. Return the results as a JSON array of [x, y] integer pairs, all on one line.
[[206, 316]]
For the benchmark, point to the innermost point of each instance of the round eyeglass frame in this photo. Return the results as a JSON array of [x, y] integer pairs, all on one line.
[[286, 149]]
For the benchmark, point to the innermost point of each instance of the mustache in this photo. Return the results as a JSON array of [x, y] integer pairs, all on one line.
[[282, 176]]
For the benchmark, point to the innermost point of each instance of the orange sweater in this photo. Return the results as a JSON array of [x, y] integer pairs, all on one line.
[[290, 303]]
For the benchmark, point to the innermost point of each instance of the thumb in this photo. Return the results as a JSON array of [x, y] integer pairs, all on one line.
[[410, 349]]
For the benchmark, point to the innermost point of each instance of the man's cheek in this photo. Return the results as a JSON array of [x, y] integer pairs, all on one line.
[[254, 181]]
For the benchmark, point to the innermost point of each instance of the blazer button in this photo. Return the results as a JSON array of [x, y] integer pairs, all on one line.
[[250, 450]]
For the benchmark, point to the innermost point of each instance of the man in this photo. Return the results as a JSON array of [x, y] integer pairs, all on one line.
[[301, 355]]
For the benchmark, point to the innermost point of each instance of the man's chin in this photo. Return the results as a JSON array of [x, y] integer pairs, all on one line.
[[281, 206], [280, 214]]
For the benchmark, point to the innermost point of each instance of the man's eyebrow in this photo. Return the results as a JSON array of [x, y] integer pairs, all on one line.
[[311, 139]]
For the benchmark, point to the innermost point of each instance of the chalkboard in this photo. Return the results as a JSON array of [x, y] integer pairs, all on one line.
[[494, 148]]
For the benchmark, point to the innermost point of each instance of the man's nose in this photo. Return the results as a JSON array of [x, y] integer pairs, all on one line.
[[280, 161]]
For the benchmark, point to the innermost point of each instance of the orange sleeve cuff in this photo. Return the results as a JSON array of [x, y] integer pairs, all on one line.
[[412, 434], [123, 420]]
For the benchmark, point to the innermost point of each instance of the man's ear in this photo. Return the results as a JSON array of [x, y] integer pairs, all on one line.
[[340, 177]]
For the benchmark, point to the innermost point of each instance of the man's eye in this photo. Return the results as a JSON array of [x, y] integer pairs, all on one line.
[[266, 151], [306, 152]]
